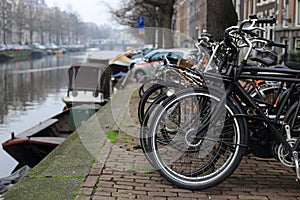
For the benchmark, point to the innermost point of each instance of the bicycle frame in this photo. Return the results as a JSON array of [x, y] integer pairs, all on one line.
[[233, 86], [267, 127]]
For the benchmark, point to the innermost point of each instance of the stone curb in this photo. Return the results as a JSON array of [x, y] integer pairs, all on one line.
[[63, 171]]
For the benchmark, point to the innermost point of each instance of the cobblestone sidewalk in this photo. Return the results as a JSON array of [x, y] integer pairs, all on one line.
[[122, 172]]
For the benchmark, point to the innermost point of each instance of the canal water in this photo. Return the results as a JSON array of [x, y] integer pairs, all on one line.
[[31, 92]]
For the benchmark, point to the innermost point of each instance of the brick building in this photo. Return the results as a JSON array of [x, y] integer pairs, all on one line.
[[287, 13], [191, 17], [288, 27]]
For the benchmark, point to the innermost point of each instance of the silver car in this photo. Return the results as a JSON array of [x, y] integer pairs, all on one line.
[[143, 68]]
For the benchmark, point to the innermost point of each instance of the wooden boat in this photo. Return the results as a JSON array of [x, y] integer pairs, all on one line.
[[37, 54], [32, 145], [5, 57], [89, 83], [119, 64]]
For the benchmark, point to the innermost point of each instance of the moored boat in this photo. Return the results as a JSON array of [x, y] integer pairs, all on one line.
[[5, 57], [32, 145], [89, 83], [37, 54]]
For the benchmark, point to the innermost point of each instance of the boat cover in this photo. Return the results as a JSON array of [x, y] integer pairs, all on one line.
[[9, 181], [90, 77]]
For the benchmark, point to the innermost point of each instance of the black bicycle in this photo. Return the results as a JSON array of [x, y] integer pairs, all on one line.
[[197, 137]]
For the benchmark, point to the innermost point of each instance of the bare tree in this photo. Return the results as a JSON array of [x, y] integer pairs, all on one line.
[[49, 23], [220, 17], [19, 18], [31, 19], [60, 26], [166, 11], [6, 18], [41, 26], [165, 14], [129, 11], [75, 26], [104, 31], [71, 24], [157, 13]]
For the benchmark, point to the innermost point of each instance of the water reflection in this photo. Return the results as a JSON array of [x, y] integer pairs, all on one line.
[[31, 91]]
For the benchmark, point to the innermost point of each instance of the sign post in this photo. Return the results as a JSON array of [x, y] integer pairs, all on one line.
[[141, 26]]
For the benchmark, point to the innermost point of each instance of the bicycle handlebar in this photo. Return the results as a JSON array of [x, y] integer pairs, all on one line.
[[270, 42], [277, 44], [265, 21], [253, 20], [251, 33]]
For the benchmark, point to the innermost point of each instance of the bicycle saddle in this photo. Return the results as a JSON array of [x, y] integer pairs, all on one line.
[[293, 65], [266, 61]]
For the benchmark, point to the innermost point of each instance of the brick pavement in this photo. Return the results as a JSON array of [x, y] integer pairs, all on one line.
[[122, 172]]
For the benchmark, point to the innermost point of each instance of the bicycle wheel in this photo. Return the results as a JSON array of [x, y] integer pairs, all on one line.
[[205, 149], [266, 93], [147, 84], [167, 75], [154, 93]]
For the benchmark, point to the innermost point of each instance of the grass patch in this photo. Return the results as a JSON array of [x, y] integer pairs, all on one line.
[[127, 138], [112, 136], [128, 135], [131, 168]]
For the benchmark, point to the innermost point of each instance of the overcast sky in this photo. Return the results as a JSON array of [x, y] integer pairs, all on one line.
[[89, 10]]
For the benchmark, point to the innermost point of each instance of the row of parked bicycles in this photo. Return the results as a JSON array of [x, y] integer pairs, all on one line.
[[197, 122]]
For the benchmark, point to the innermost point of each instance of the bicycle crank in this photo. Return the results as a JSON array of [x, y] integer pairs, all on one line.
[[295, 155], [284, 156], [287, 160]]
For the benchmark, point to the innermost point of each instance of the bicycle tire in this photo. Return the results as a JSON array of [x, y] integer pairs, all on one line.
[[147, 84], [204, 176], [159, 89]]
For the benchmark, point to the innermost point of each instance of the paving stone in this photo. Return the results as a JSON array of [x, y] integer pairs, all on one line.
[[252, 197], [91, 181], [82, 197], [123, 174]]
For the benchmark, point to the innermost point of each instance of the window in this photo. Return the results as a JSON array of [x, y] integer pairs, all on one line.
[[297, 13], [297, 42], [158, 57], [285, 13]]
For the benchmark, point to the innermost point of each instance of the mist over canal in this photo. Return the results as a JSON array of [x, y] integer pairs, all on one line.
[[31, 92]]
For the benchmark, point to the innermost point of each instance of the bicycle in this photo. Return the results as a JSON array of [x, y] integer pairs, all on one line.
[[212, 128]]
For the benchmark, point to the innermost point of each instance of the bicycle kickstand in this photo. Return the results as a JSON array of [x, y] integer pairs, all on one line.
[[295, 155]]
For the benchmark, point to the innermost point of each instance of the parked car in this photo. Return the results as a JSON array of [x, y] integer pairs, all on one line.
[[143, 67], [38, 46], [142, 58], [2, 47], [142, 52]]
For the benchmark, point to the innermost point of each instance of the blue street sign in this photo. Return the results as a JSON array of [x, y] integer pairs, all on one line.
[[140, 20]]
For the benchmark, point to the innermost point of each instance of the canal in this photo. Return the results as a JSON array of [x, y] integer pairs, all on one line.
[[31, 92]]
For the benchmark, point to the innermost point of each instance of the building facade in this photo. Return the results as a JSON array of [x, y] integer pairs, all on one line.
[[6, 23], [32, 21], [9, 9], [288, 27], [287, 13]]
